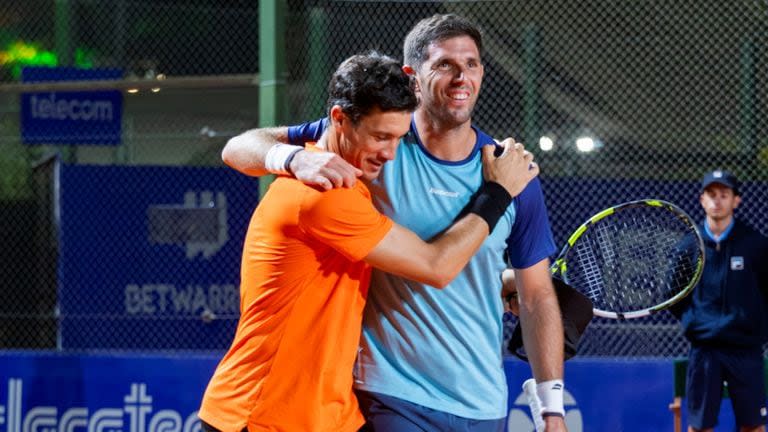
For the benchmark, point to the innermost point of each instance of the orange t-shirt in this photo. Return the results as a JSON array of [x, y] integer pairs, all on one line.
[[303, 288]]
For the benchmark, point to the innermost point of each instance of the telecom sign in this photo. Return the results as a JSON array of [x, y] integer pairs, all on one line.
[[71, 117]]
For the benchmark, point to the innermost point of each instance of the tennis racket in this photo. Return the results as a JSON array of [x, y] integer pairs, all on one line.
[[634, 259], [534, 403]]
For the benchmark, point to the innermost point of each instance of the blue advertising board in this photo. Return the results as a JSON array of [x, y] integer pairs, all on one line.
[[71, 117], [149, 257], [47, 391], [67, 393], [607, 395]]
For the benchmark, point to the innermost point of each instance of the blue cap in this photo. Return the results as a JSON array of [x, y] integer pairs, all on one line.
[[721, 177]]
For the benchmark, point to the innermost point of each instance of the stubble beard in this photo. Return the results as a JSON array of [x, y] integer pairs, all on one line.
[[447, 119]]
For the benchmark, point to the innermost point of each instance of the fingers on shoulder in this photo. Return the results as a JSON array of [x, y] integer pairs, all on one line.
[[323, 182], [533, 169]]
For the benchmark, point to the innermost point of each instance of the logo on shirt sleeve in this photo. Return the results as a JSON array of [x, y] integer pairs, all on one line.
[[737, 263]]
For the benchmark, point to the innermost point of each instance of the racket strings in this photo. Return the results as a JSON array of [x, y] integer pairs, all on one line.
[[634, 259]]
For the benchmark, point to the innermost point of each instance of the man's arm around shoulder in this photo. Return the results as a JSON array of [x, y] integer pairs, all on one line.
[[247, 152], [250, 152], [439, 260]]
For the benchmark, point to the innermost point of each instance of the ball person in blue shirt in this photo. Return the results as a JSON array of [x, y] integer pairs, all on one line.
[[726, 316]]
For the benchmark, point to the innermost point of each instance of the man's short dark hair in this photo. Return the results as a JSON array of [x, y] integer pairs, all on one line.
[[437, 28], [371, 80]]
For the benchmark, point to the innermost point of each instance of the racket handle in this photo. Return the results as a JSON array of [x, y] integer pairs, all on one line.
[[534, 403]]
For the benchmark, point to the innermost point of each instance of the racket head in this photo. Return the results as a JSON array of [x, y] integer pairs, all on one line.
[[633, 259]]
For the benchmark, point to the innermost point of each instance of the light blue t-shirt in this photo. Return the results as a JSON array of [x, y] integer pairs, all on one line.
[[441, 348]]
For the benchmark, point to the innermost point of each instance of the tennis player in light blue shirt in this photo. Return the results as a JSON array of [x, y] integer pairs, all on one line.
[[417, 338]]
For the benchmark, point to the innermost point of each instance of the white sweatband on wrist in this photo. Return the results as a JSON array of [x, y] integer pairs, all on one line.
[[551, 395], [278, 155]]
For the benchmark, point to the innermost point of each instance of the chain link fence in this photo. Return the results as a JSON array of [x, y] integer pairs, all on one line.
[[618, 101], [121, 230]]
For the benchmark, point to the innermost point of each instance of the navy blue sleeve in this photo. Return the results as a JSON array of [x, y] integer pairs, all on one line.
[[307, 132], [531, 238]]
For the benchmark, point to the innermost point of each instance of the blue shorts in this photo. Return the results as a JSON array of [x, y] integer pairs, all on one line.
[[741, 369], [386, 414]]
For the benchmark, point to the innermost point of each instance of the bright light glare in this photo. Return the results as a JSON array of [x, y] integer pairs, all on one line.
[[585, 144], [546, 143]]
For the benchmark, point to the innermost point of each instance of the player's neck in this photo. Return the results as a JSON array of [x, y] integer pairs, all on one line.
[[449, 144], [718, 226], [329, 141]]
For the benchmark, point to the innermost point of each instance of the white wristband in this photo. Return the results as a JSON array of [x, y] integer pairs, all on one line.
[[551, 395], [275, 162]]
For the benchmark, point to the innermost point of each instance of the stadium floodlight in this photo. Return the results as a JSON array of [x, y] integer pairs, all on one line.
[[546, 143], [585, 144]]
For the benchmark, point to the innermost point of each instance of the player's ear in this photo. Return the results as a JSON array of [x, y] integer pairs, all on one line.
[[337, 115], [411, 72], [736, 201]]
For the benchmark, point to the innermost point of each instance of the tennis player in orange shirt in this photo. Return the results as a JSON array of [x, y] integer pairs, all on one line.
[[307, 259]]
